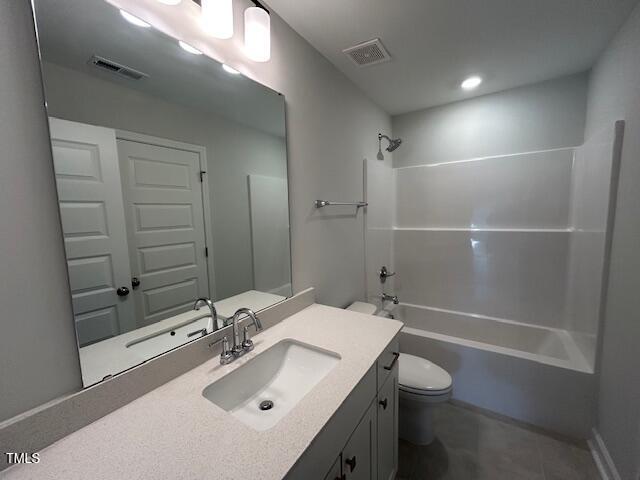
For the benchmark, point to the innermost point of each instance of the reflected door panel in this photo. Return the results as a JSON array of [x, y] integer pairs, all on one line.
[[163, 203], [92, 213]]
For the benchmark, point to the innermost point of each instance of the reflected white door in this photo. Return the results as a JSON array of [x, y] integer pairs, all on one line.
[[164, 208], [92, 212]]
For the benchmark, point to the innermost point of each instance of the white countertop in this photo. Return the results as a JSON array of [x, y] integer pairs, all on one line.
[[175, 433]]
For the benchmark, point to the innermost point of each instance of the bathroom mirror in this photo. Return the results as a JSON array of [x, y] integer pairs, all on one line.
[[172, 183]]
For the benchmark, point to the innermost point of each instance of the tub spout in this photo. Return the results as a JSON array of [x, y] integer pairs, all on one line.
[[390, 298]]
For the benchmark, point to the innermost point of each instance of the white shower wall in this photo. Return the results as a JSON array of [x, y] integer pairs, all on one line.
[[516, 228], [486, 237], [595, 170]]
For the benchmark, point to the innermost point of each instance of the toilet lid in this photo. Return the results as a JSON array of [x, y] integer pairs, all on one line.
[[418, 374]]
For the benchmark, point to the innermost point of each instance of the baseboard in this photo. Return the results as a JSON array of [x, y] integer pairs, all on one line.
[[601, 456]]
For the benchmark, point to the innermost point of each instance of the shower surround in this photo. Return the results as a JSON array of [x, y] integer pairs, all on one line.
[[501, 256]]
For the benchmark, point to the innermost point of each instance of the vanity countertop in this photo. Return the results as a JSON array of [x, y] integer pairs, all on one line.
[[173, 432]]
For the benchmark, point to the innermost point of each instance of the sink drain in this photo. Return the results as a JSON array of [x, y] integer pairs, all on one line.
[[266, 405]]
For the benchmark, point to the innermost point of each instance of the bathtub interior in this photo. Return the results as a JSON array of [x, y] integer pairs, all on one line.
[[550, 346]]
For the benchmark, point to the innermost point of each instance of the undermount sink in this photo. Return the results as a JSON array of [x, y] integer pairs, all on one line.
[[263, 390]]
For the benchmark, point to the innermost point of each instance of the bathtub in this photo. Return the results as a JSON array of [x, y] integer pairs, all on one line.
[[534, 374]]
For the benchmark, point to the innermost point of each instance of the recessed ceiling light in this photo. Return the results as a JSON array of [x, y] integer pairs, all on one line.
[[471, 83], [133, 19], [230, 70], [170, 2], [185, 46]]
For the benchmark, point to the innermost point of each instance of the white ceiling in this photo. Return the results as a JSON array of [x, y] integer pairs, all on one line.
[[435, 44], [70, 32]]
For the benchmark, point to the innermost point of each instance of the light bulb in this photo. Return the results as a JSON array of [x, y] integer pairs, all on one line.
[[170, 2], [217, 18], [257, 34]]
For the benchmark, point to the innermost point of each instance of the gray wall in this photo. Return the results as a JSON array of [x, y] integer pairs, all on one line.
[[38, 356], [613, 95], [536, 117], [233, 151], [327, 250]]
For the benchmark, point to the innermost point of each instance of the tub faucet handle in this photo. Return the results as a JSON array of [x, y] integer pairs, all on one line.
[[384, 274]]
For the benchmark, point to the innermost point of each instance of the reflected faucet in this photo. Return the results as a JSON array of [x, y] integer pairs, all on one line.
[[240, 349], [214, 316], [390, 298]]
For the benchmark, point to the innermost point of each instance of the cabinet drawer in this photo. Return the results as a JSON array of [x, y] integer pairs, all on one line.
[[388, 360]]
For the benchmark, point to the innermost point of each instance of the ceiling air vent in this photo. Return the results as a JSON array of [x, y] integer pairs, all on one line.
[[368, 53], [113, 67]]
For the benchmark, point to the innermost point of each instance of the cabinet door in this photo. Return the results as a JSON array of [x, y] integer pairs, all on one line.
[[335, 473], [387, 435], [359, 455]]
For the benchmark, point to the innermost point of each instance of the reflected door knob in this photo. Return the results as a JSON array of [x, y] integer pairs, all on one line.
[[351, 462], [122, 291]]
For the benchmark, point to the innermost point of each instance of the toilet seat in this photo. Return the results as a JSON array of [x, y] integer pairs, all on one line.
[[419, 376]]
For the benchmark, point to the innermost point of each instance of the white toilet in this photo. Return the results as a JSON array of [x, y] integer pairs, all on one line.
[[422, 385]]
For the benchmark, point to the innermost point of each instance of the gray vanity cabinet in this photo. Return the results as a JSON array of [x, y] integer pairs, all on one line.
[[357, 461], [336, 471], [387, 427], [360, 442], [359, 454]]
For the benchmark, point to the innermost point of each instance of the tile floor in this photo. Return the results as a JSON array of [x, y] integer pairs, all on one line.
[[473, 446]]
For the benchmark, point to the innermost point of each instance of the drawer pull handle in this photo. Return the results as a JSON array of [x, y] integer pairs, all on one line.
[[383, 403], [351, 462], [396, 355]]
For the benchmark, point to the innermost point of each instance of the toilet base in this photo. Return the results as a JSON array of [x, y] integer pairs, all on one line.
[[416, 417]]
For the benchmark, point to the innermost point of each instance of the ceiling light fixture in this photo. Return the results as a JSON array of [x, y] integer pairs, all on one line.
[[185, 46], [217, 18], [230, 70], [134, 20], [170, 2], [257, 33], [471, 83]]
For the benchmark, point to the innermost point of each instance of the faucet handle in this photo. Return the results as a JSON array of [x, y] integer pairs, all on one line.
[[247, 343], [202, 331], [384, 274], [226, 356]]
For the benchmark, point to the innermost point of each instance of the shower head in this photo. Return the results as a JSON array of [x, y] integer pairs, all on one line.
[[394, 143]]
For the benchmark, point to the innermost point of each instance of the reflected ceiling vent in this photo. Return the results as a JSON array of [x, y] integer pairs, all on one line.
[[368, 53], [113, 67]]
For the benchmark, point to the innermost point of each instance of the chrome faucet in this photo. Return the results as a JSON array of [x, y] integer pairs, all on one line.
[[214, 316], [390, 298], [240, 348], [229, 354]]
